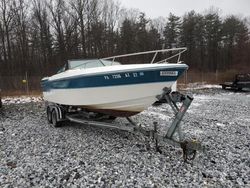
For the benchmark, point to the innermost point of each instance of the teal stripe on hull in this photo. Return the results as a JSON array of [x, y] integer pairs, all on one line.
[[115, 79]]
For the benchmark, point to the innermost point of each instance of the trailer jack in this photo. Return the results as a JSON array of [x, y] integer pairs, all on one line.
[[189, 148]]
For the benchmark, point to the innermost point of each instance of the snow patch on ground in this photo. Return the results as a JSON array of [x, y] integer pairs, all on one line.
[[197, 132], [194, 86], [20, 100], [156, 114], [210, 86], [220, 124]]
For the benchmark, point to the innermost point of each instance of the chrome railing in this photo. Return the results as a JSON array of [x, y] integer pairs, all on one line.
[[178, 53]]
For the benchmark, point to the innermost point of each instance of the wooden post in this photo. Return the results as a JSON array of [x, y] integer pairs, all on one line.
[[27, 83]]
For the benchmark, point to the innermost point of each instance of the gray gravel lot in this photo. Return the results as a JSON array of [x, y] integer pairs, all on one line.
[[33, 153]]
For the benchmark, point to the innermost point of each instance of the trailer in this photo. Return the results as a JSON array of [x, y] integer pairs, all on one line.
[[240, 82], [57, 115]]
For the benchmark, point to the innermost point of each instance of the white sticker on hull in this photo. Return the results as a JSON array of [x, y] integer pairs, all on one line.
[[168, 73]]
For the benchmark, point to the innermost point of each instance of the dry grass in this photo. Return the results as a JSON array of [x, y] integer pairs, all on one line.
[[21, 93], [193, 76]]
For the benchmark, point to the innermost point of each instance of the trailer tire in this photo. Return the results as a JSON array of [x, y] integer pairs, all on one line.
[[49, 115], [54, 119]]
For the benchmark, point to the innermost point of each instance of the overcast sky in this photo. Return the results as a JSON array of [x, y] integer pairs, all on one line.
[[156, 8]]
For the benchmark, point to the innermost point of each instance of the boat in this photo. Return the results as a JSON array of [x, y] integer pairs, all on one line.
[[108, 87], [95, 91]]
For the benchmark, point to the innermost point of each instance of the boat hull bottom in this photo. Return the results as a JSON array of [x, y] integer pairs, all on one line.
[[115, 113]]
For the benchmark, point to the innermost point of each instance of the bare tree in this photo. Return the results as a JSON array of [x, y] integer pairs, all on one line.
[[110, 16], [38, 36], [6, 26], [41, 38], [57, 10], [79, 7], [21, 30]]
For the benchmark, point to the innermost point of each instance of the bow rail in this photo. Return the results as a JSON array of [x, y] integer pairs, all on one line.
[[178, 50]]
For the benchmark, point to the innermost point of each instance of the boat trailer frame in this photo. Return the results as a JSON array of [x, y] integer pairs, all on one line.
[[58, 114]]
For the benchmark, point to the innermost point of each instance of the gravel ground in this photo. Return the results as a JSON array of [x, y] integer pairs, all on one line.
[[35, 154]]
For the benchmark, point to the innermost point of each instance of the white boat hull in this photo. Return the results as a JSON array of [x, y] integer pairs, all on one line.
[[125, 98]]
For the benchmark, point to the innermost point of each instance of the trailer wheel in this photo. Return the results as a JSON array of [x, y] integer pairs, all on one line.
[[49, 115], [54, 120]]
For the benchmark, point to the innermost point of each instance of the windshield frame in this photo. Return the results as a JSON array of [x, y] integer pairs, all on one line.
[[84, 62]]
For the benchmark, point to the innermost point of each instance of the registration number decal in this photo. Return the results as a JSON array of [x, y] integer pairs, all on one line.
[[168, 73], [124, 75]]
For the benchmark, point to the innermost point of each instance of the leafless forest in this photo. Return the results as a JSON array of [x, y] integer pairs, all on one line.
[[38, 37]]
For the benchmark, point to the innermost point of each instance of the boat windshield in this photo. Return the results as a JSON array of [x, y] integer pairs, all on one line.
[[109, 63], [90, 63]]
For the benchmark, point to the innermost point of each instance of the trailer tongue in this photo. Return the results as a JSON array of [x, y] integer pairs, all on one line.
[[58, 114]]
